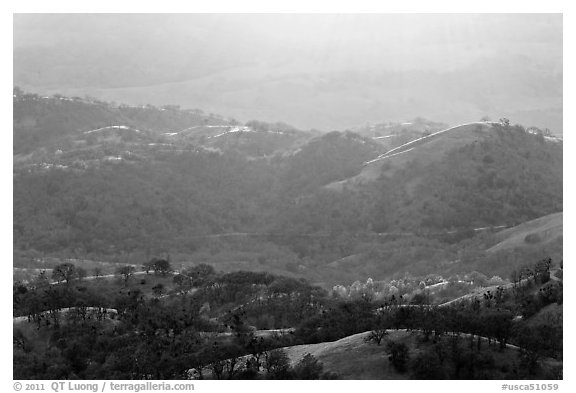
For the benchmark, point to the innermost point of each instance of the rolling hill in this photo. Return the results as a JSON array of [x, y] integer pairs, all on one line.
[[543, 230], [429, 147], [371, 361], [99, 180]]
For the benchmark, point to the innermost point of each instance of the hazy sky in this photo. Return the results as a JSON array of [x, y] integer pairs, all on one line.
[[326, 71]]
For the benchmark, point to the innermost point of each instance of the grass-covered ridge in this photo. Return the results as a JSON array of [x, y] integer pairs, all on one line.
[[171, 325]]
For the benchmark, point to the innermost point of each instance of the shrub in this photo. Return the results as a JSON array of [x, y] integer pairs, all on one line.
[[550, 292], [308, 368], [398, 355], [427, 366], [488, 159], [277, 365], [532, 238], [329, 375]]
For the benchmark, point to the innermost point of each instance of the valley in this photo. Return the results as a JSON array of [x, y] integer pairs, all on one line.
[[278, 238], [287, 196]]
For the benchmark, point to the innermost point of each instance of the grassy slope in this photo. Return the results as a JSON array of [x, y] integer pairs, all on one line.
[[351, 357], [427, 149], [354, 358], [548, 228]]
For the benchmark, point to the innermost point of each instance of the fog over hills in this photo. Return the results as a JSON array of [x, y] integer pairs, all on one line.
[[313, 71], [272, 196]]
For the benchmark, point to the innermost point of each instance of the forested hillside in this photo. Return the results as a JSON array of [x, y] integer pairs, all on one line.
[[198, 323], [103, 181]]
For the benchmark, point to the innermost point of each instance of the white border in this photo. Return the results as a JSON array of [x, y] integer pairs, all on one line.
[[299, 6]]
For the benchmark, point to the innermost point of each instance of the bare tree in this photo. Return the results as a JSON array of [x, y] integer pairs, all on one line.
[[125, 272], [64, 272]]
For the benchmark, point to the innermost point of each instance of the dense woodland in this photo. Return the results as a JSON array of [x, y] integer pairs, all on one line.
[[162, 243], [125, 196]]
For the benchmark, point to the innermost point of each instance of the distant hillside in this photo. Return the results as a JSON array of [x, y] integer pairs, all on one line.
[[327, 75], [113, 182], [427, 145], [500, 252], [50, 122], [416, 126], [330, 157], [394, 134], [81, 127], [465, 177], [473, 179], [416, 212], [535, 233], [436, 143]]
